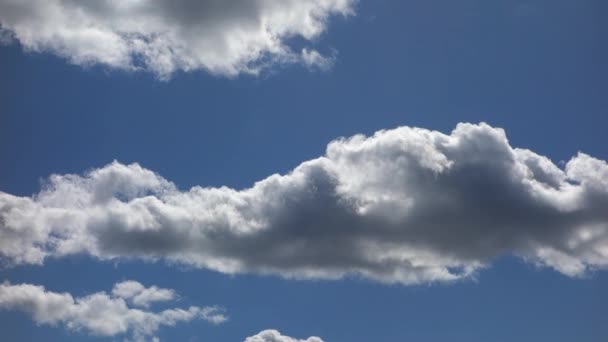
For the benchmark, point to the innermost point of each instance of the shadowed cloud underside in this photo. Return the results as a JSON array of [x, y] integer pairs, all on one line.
[[406, 205]]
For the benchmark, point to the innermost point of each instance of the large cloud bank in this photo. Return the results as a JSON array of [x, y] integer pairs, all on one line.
[[222, 37], [406, 205], [100, 313]]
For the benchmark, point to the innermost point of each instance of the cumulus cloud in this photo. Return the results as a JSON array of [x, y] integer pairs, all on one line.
[[100, 313], [275, 336], [406, 205], [221, 37]]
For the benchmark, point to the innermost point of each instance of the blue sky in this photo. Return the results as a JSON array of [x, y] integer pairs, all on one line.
[[534, 68]]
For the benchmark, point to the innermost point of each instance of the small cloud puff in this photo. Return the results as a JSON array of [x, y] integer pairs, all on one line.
[[140, 295], [275, 336]]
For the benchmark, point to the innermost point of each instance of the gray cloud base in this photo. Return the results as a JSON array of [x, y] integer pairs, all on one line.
[[406, 205], [100, 313], [221, 37]]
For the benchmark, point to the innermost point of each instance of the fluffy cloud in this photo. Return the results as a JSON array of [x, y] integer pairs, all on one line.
[[222, 37], [100, 313], [140, 295], [275, 336], [406, 205]]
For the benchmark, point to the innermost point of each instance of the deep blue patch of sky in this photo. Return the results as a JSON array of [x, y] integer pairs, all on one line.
[[536, 68]]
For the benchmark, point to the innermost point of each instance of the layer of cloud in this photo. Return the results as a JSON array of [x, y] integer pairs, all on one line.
[[406, 205], [222, 37], [275, 336], [99, 313]]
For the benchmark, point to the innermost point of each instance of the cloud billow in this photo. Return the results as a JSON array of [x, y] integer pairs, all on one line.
[[222, 37], [406, 205]]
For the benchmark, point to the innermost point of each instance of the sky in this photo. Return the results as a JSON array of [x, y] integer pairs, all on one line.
[[303, 171]]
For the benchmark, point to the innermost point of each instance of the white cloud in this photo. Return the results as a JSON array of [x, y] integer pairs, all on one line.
[[99, 313], [406, 205], [222, 37], [275, 336], [140, 295], [312, 58]]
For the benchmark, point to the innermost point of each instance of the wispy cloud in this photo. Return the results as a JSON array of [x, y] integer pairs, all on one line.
[[99, 313]]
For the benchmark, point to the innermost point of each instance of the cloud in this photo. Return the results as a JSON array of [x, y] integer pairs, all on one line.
[[221, 37], [406, 205], [99, 313], [140, 295], [275, 336]]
